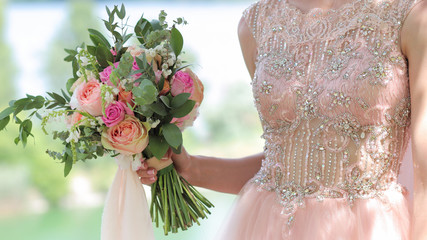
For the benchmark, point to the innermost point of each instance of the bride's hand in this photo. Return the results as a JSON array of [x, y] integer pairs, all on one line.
[[181, 161]]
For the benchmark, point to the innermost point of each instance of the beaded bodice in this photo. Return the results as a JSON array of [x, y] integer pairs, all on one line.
[[332, 91]]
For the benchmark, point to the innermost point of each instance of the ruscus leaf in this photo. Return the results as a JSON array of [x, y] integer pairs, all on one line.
[[172, 135]]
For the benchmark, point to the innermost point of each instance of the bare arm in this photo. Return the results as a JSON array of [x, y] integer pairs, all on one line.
[[219, 174], [414, 45]]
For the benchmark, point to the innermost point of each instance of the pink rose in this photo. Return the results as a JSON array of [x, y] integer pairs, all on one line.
[[181, 83], [158, 74], [87, 98], [115, 113], [128, 137], [105, 75], [135, 67]]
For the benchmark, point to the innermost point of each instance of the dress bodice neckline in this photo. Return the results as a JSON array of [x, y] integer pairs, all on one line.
[[318, 11]]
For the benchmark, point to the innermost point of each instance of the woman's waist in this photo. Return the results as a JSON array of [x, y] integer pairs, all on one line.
[[293, 192]]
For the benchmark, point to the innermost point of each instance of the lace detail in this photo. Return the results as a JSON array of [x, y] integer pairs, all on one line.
[[331, 88]]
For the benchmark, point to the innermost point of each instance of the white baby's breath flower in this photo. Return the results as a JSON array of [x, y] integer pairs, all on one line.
[[171, 62], [109, 98], [85, 60], [79, 49], [151, 53], [115, 91], [92, 122], [164, 52], [165, 66], [74, 136], [166, 73], [172, 56], [136, 162], [100, 121], [158, 48], [153, 123]]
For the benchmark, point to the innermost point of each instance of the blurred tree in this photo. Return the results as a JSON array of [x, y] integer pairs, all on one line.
[[139, 0], [7, 67], [234, 118], [72, 33]]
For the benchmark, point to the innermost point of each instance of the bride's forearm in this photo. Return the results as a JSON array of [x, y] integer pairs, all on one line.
[[222, 174]]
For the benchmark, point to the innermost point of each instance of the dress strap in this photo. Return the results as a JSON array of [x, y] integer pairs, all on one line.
[[251, 16]]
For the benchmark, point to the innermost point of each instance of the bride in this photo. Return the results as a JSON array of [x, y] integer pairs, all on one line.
[[340, 88]]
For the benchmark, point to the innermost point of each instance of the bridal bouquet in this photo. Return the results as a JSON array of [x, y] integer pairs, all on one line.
[[131, 102]]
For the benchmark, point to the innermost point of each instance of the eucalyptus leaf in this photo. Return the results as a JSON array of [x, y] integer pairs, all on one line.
[[68, 164], [146, 93], [75, 66], [69, 58], [6, 112], [142, 29], [4, 122]]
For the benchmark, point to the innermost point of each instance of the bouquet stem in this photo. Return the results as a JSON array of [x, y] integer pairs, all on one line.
[[178, 203]]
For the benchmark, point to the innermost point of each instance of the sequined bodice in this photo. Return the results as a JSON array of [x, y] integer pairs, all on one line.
[[332, 91]]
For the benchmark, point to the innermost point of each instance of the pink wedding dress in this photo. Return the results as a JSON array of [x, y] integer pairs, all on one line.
[[332, 91]]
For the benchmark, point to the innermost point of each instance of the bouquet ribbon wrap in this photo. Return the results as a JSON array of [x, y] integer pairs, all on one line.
[[126, 214]]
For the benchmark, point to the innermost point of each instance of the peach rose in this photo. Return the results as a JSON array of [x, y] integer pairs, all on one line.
[[198, 88], [128, 137], [126, 97], [74, 119], [135, 50], [188, 120], [87, 98], [166, 86], [197, 96]]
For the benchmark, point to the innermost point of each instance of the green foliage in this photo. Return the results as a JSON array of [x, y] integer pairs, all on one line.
[[177, 42], [146, 93], [142, 28], [158, 146], [172, 135]]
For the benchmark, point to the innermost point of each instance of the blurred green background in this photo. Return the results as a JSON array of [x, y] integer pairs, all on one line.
[[36, 201]]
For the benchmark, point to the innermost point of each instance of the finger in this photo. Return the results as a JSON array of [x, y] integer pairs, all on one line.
[[150, 172], [148, 180], [142, 168]]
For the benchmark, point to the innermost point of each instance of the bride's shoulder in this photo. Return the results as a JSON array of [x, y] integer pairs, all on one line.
[[257, 11], [262, 3]]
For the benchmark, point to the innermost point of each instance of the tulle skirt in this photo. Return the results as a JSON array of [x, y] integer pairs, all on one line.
[[257, 215]]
